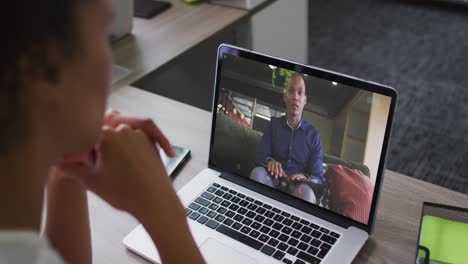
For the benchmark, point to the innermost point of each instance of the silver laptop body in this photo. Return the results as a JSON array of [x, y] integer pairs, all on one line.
[[275, 226]]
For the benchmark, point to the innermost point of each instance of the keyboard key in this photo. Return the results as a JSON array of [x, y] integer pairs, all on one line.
[[286, 230], [296, 234], [265, 229], [293, 242], [258, 203], [285, 214], [267, 206], [273, 242], [254, 233], [220, 218], [232, 192], [212, 224], [278, 218], [216, 185], [306, 238], [225, 203], [316, 243], [239, 237], [228, 222], [250, 214], [263, 238], [227, 196], [277, 226], [287, 222], [194, 206], [259, 218], [224, 188], [235, 199], [325, 246], [202, 219], [335, 235], [252, 207], [240, 195], [324, 230], [238, 217], [213, 206], [256, 226], [283, 237], [267, 250], [244, 203], [268, 222], [292, 251], [188, 211], [194, 215], [221, 210], [245, 229], [282, 246], [274, 233], [295, 218], [278, 255], [211, 189], [287, 261], [308, 258], [247, 221], [305, 222], [328, 239], [217, 200], [249, 199], [211, 214], [306, 230], [323, 252], [260, 210], [276, 210], [316, 234], [207, 195], [299, 261], [296, 226], [230, 213], [314, 226], [219, 193], [236, 226], [203, 210], [313, 251], [270, 214], [242, 211], [303, 246]]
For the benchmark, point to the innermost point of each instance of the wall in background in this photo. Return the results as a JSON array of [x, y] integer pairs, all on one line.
[[375, 132], [281, 30]]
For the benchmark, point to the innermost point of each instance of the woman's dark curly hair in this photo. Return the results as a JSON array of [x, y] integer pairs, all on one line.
[[30, 31]]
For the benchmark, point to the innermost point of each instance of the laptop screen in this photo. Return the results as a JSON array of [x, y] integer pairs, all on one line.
[[313, 138]]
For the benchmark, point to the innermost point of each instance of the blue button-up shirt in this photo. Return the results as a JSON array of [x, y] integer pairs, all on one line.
[[298, 150]]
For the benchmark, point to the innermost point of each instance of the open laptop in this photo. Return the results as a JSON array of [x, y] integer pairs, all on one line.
[[325, 217]]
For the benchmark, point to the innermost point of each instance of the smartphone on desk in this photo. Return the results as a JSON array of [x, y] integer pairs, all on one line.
[[173, 164]]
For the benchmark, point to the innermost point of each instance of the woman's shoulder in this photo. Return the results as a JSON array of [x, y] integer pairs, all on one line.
[[26, 247]]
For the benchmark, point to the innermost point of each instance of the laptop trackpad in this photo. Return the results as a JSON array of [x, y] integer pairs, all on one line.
[[216, 252]]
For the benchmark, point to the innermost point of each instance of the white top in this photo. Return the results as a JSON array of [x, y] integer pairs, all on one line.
[[26, 247]]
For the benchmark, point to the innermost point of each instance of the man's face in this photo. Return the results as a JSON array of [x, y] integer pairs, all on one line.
[[295, 98]]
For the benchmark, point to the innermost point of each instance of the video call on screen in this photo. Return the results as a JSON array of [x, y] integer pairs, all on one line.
[[315, 139]]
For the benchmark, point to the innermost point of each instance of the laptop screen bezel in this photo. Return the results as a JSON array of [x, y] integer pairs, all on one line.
[[316, 210]]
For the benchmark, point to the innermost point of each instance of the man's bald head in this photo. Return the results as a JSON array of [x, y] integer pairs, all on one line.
[[295, 95], [296, 80]]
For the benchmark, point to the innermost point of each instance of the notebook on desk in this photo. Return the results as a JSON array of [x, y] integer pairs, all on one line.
[[295, 168]]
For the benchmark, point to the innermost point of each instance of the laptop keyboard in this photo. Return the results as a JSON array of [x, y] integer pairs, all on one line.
[[263, 227]]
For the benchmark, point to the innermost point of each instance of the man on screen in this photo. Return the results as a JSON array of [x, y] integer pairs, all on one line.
[[290, 149]]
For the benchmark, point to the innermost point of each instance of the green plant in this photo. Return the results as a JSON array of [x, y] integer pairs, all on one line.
[[285, 74]]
